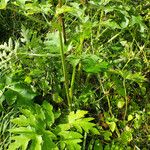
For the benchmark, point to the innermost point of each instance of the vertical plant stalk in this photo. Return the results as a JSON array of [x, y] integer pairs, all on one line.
[[62, 22], [63, 59], [126, 99], [108, 100], [109, 104], [72, 83], [84, 142], [63, 29], [100, 21]]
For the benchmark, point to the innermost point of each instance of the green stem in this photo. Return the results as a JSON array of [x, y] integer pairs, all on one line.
[[39, 55], [72, 82], [100, 21], [114, 37], [108, 100], [64, 70], [63, 59], [126, 99], [84, 142], [109, 104]]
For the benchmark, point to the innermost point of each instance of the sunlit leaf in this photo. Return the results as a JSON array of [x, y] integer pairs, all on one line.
[[3, 4], [120, 104], [126, 137]]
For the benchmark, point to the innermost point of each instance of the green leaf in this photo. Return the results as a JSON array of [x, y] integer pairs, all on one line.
[[21, 121], [79, 122], [125, 23], [37, 143], [74, 116], [73, 60], [48, 113], [28, 79], [107, 135], [52, 42], [120, 104], [21, 130], [98, 145], [47, 141], [33, 125], [70, 135], [71, 139], [63, 9], [3, 4], [2, 98], [138, 20], [130, 117], [20, 93], [93, 64], [111, 24], [64, 127], [112, 126], [57, 98], [19, 141], [137, 77], [10, 96], [26, 35], [126, 137]]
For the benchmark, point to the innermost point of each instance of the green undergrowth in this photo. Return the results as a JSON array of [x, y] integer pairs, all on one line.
[[74, 75]]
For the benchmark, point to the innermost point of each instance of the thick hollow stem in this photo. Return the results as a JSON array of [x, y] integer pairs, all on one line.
[[63, 60], [62, 22]]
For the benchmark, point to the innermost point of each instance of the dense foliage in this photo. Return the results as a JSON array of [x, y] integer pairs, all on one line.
[[74, 75]]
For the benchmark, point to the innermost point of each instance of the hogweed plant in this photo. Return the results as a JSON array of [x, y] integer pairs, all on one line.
[[78, 71]]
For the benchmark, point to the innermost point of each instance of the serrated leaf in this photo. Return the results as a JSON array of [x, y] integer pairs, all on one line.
[[93, 64], [95, 131], [36, 143], [71, 139], [70, 135], [63, 9], [79, 114], [126, 137], [64, 127], [111, 24], [86, 125], [73, 60], [47, 141], [78, 121], [52, 42], [21, 121], [21, 130], [107, 135], [137, 77], [48, 113], [19, 141]]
